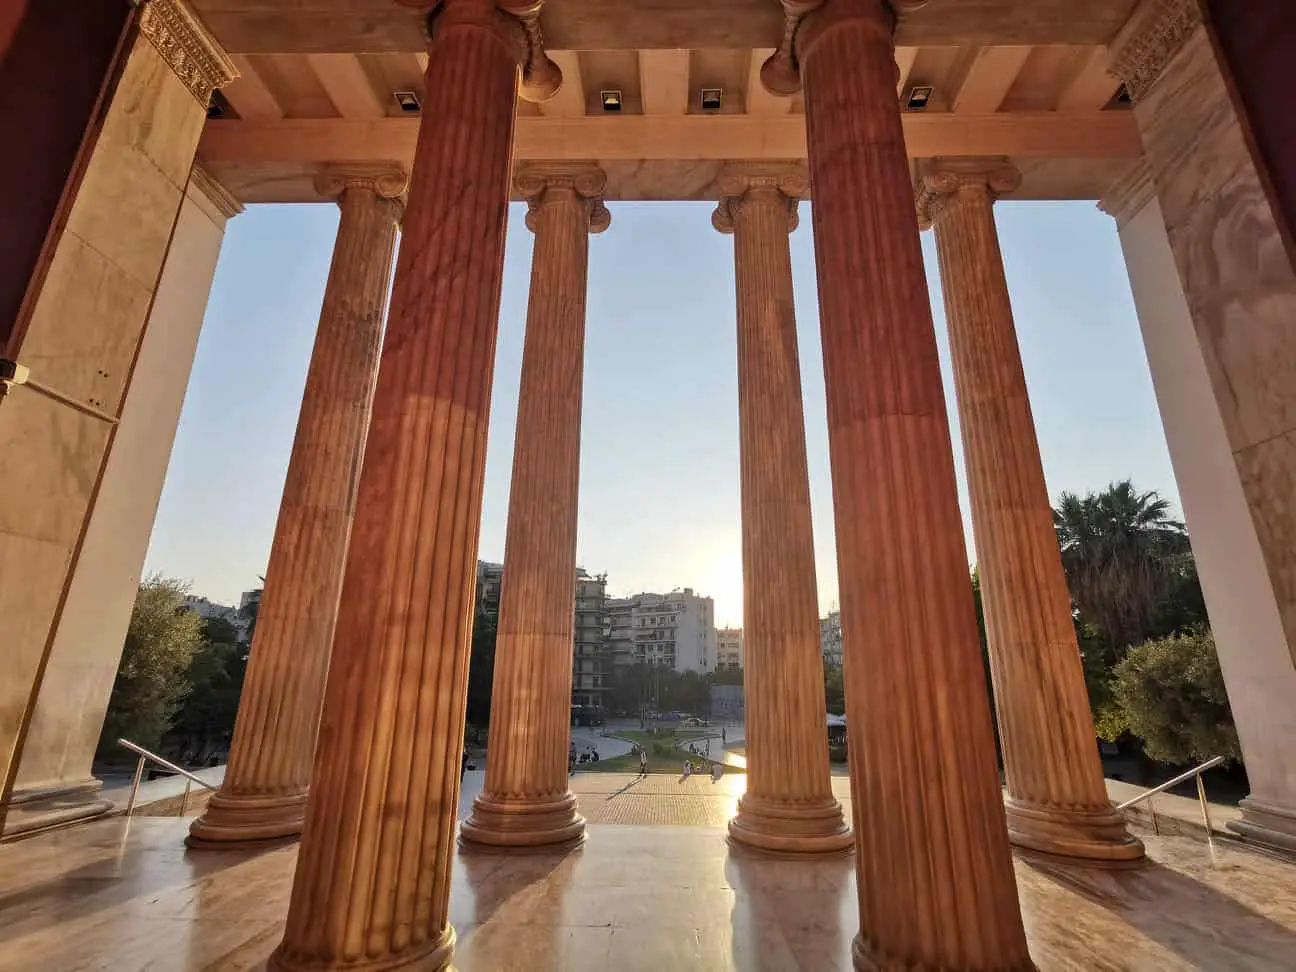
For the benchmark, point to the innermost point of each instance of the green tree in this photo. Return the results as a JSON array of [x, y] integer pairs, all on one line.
[[160, 644], [1170, 692], [205, 721], [1126, 561], [834, 690], [481, 670]]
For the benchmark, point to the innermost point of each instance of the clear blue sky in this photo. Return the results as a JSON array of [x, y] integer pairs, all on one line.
[[659, 467]]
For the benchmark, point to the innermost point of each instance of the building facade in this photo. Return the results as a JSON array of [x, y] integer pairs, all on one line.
[[729, 649], [830, 639], [675, 631], [589, 653]]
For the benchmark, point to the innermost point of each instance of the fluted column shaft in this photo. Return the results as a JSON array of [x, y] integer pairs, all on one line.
[[936, 884], [526, 800], [373, 873], [1057, 800], [263, 794], [789, 804]]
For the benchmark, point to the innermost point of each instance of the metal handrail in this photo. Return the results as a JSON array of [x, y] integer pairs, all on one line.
[[145, 755], [1201, 794]]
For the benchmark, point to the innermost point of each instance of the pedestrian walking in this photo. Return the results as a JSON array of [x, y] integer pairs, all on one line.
[[643, 762]]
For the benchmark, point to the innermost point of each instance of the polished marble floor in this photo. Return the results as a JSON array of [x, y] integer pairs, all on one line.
[[114, 895]]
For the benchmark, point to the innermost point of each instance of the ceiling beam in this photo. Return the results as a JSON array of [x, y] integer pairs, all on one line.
[[1107, 134], [905, 57], [664, 82], [347, 85], [1092, 87], [569, 102], [989, 77], [248, 94], [375, 26]]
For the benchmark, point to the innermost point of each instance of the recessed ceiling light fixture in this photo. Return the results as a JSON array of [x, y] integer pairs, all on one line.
[[918, 98], [217, 106], [611, 99], [711, 98], [407, 101]]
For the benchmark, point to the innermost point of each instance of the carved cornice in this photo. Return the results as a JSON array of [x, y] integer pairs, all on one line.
[[1151, 37], [221, 198], [942, 179], [187, 47], [387, 180], [1128, 195], [584, 181], [782, 184], [781, 72]]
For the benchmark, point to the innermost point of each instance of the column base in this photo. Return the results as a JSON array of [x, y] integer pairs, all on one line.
[[503, 822], [234, 820], [1266, 823], [44, 808], [866, 957], [1095, 836], [791, 828], [431, 956]]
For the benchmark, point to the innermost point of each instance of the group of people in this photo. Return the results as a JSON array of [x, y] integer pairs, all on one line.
[[717, 770], [588, 755]]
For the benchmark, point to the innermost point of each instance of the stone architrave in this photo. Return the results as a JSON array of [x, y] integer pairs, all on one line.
[[1057, 799], [936, 887], [789, 805], [1239, 281], [263, 794], [526, 800], [372, 885]]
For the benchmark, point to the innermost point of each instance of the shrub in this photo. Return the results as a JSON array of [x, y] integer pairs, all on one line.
[[1171, 694], [837, 754]]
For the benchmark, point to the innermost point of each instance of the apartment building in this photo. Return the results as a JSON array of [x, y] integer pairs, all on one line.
[[675, 630], [729, 649], [830, 639]]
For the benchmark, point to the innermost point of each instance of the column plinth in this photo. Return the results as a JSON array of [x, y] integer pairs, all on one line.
[[935, 876], [1057, 800], [263, 794], [789, 805], [526, 801], [372, 884]]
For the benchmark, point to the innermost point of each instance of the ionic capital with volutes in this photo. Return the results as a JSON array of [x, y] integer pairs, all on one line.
[[779, 185], [577, 183], [516, 22], [386, 180], [781, 72], [943, 180]]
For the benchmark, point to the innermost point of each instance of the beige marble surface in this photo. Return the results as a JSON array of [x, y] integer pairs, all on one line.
[[108, 896]]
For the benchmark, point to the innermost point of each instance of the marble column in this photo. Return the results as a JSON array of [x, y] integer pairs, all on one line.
[[936, 888], [79, 335], [1239, 280], [1057, 800], [263, 794], [372, 884], [789, 805], [526, 800]]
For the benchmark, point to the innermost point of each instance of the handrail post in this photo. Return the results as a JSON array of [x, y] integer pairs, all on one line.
[[1156, 829], [184, 798], [135, 785], [1201, 795]]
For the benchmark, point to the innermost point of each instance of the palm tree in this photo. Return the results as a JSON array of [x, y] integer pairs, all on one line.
[[1124, 557]]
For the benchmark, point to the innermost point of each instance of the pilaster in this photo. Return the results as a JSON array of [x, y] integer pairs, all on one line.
[[1240, 286], [915, 703], [263, 794], [372, 884], [789, 805], [79, 338], [1057, 800], [526, 800]]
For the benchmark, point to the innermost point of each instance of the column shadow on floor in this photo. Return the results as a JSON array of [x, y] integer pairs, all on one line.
[[1205, 926]]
